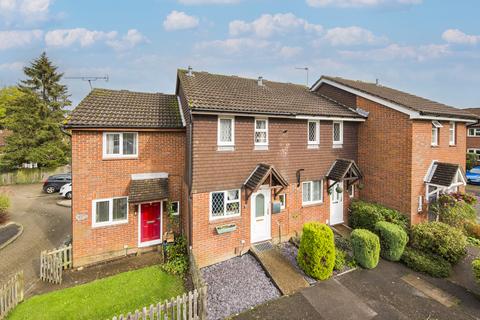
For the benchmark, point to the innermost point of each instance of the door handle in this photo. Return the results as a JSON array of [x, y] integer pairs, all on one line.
[[150, 221]]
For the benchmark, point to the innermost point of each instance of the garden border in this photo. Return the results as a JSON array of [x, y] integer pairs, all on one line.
[[12, 239]]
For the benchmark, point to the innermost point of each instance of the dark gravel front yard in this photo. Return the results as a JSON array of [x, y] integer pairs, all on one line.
[[237, 285]]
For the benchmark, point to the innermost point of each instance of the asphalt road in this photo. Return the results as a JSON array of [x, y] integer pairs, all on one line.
[[46, 225]]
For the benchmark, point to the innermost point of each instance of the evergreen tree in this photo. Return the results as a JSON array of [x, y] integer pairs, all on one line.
[[36, 117]]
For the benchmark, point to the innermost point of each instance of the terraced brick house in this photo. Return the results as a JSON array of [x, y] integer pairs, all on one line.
[[249, 160], [473, 135]]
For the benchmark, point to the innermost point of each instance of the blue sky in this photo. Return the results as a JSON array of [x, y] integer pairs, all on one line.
[[426, 47]]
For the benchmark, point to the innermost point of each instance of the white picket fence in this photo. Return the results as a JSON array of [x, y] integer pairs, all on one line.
[[191, 306], [11, 293], [53, 262]]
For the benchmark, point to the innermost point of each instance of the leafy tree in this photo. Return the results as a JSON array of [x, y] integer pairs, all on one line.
[[36, 117], [7, 96]]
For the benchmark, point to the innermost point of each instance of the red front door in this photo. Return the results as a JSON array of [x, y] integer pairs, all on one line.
[[150, 222]]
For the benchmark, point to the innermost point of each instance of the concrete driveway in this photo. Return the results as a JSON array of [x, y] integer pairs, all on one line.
[[46, 225], [390, 291]]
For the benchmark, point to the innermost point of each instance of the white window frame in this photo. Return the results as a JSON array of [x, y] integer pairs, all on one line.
[[452, 133], [255, 130], [476, 132], [351, 191], [225, 202], [178, 208], [120, 149], [310, 202], [474, 151], [110, 221], [315, 143], [339, 142], [435, 133], [284, 204], [226, 143]]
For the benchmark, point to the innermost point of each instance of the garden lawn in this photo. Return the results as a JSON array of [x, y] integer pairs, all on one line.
[[103, 299]]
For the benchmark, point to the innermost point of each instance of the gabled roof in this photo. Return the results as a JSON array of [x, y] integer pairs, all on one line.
[[411, 102], [215, 93], [445, 174], [342, 167], [260, 174], [105, 108]]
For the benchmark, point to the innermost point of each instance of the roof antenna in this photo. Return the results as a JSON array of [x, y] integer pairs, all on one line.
[[89, 79], [305, 69], [377, 82]]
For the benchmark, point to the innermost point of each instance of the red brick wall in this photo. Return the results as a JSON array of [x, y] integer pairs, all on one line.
[[473, 142], [94, 178], [423, 154]]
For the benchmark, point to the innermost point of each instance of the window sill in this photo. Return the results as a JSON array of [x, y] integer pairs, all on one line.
[[313, 146], [452, 145], [120, 157], [434, 145], [222, 220], [337, 146], [312, 204], [225, 148], [110, 224], [261, 148]]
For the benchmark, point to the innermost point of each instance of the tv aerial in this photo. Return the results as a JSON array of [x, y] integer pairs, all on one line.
[[89, 79], [306, 69]]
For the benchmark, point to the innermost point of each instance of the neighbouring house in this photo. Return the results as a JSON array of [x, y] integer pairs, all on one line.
[[473, 134], [250, 160]]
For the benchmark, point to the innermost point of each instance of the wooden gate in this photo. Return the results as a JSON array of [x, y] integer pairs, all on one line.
[[53, 262], [11, 293]]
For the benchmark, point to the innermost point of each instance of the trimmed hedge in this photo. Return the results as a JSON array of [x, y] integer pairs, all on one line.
[[366, 247], [427, 263], [476, 269], [440, 239], [316, 254], [365, 215], [393, 240]]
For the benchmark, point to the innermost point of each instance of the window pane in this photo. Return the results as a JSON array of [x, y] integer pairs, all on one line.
[[175, 207], [306, 192], [259, 206], [261, 124], [101, 211], [113, 143], [217, 204], [316, 196], [233, 208], [129, 143], [226, 130], [434, 135], [312, 131], [336, 132], [282, 200], [120, 209], [260, 137], [232, 195]]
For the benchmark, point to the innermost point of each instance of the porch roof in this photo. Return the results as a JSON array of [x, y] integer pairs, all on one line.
[[344, 169], [445, 174], [144, 190], [261, 173]]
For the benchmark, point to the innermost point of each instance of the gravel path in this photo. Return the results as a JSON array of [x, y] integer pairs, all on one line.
[[237, 285]]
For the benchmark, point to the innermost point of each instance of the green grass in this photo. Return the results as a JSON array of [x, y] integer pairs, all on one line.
[[103, 299]]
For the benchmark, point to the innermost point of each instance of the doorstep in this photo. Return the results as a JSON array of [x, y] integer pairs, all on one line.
[[342, 230], [284, 275]]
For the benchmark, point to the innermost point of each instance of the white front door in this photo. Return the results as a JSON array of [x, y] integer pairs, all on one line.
[[336, 204], [260, 219]]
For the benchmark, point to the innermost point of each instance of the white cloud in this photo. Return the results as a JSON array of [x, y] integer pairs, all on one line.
[[234, 45], [268, 25], [81, 36], [289, 52], [14, 66], [195, 2], [29, 10], [178, 20], [458, 37], [399, 52], [13, 38], [359, 3], [128, 41], [351, 36]]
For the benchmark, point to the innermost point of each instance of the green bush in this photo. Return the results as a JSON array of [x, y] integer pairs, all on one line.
[[177, 258], [473, 242], [4, 205], [476, 269], [364, 215], [454, 211], [316, 254], [393, 240], [366, 247], [471, 160], [427, 263], [472, 229], [340, 259], [440, 239], [467, 197]]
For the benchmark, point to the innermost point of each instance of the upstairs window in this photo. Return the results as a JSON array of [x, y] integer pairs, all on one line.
[[435, 132], [337, 133], [312, 192], [313, 133], [452, 132], [261, 132], [226, 131], [120, 144], [474, 132]]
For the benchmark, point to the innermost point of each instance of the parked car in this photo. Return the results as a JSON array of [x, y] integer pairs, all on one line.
[[473, 175], [55, 182], [66, 191]]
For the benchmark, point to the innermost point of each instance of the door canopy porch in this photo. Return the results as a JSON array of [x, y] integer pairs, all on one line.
[[443, 178], [147, 190], [344, 170], [264, 174]]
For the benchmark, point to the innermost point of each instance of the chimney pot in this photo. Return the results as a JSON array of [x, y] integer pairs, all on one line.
[[260, 81], [190, 71], [377, 82]]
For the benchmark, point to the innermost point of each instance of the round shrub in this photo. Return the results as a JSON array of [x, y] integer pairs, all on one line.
[[316, 254], [440, 239], [476, 269], [364, 215], [426, 262], [366, 248], [393, 240]]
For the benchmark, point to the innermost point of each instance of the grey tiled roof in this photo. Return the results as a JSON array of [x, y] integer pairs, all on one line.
[[419, 104], [341, 167], [445, 174], [148, 190], [104, 108], [259, 175], [219, 93]]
